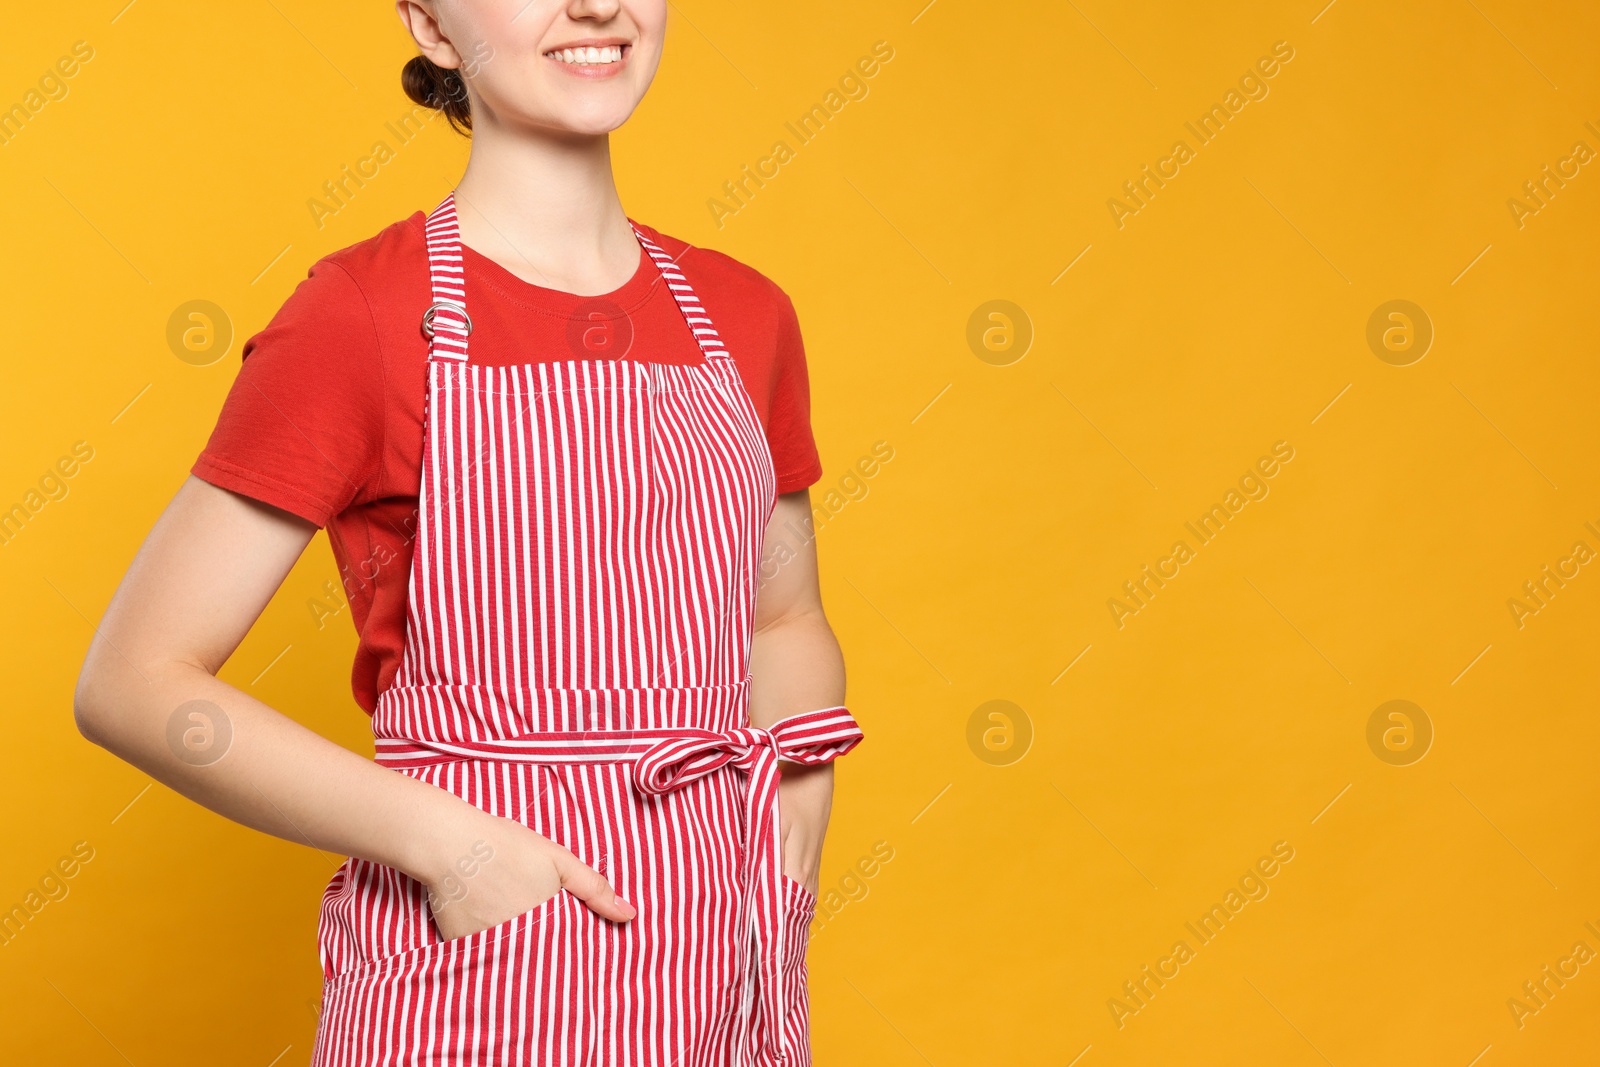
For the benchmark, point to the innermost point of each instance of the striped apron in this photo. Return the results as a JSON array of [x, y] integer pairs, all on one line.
[[578, 638]]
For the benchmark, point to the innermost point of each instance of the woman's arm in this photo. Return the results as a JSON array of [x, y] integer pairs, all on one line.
[[795, 666], [148, 692]]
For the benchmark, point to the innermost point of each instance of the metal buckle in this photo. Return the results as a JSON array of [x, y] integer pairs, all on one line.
[[427, 316]]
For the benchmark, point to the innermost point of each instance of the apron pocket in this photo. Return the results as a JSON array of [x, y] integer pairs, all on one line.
[[797, 898], [472, 995], [500, 930], [799, 908], [503, 939]]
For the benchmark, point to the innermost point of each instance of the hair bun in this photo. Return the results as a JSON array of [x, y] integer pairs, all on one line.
[[440, 88]]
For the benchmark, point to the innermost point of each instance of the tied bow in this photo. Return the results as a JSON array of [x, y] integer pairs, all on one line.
[[811, 739]]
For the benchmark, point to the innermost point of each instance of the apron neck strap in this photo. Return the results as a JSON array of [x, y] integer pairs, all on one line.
[[445, 323], [694, 313]]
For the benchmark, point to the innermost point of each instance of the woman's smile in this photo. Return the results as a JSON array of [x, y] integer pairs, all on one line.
[[591, 58]]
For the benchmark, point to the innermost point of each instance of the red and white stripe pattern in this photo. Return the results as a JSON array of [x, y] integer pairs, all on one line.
[[445, 321], [578, 635]]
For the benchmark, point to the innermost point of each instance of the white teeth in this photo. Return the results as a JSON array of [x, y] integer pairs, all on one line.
[[588, 56]]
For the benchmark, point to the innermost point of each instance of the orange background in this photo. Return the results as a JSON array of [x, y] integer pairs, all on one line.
[[1039, 860]]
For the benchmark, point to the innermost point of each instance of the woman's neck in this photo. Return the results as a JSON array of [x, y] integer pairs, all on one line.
[[545, 207]]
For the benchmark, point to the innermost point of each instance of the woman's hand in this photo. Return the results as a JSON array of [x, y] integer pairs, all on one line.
[[492, 869], [805, 798]]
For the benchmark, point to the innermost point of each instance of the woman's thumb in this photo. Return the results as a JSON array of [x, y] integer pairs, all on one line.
[[587, 884]]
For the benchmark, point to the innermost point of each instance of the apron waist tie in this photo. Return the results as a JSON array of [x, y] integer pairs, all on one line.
[[668, 759]]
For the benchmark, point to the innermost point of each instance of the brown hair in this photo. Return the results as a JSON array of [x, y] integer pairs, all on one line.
[[440, 88]]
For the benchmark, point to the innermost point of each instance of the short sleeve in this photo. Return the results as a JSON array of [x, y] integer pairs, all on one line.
[[794, 447], [302, 425]]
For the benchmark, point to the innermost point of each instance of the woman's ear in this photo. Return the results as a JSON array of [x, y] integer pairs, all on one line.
[[422, 23]]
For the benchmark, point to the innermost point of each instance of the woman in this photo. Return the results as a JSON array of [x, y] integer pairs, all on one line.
[[549, 472]]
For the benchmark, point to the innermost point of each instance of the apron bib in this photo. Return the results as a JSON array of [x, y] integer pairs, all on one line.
[[578, 635]]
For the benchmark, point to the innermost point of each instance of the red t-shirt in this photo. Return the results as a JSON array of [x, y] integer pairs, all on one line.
[[325, 417]]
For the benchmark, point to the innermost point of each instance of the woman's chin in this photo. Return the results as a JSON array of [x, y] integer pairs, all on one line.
[[595, 120]]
